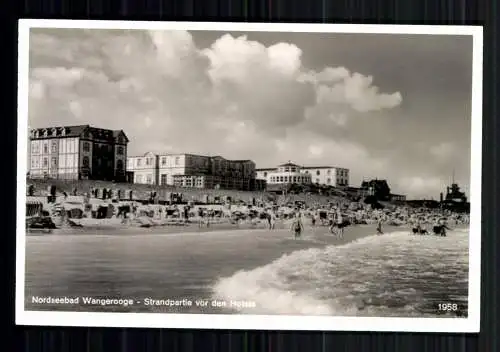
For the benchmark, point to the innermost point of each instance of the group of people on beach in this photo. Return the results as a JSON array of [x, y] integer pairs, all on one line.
[[336, 214], [339, 219], [335, 224]]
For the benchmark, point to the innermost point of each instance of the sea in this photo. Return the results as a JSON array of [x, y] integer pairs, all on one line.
[[250, 271]]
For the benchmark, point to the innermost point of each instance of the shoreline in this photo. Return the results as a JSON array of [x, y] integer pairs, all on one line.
[[119, 229]]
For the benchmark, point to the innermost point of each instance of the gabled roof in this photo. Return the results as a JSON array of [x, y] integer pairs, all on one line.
[[76, 131], [118, 133], [69, 131]]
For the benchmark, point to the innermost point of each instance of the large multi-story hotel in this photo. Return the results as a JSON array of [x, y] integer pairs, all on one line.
[[78, 152], [189, 170], [293, 173]]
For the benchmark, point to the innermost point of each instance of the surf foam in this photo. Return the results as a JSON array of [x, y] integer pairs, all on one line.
[[396, 274]]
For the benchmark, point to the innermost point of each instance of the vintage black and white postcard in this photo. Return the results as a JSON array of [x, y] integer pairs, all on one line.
[[249, 176]]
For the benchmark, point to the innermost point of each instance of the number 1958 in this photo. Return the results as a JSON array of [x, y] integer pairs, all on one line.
[[448, 307]]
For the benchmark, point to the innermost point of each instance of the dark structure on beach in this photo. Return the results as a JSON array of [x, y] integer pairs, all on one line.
[[78, 153], [455, 199], [377, 190]]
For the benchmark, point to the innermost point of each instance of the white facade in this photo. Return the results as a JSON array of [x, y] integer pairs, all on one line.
[[292, 173], [170, 165], [55, 158], [175, 169], [144, 168], [330, 176], [77, 152]]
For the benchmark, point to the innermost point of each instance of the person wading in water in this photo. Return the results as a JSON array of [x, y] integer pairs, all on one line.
[[297, 226], [272, 220], [379, 226], [340, 224]]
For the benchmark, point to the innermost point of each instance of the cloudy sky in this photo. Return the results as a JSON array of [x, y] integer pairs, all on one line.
[[386, 106]]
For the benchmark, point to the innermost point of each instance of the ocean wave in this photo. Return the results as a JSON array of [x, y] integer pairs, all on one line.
[[395, 274]]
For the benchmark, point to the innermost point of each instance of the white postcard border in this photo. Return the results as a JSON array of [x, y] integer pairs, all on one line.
[[470, 324]]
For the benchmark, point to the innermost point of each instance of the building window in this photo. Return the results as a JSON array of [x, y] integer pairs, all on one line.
[[281, 178], [119, 165], [147, 161], [54, 147], [317, 180], [329, 172], [177, 160], [86, 162], [138, 179], [317, 173], [149, 179], [86, 147], [328, 181], [45, 148], [54, 162], [265, 174], [119, 150], [163, 179], [45, 162], [307, 172], [35, 148], [164, 161], [139, 162]]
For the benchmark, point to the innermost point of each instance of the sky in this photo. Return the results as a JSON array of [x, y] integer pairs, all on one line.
[[387, 106]]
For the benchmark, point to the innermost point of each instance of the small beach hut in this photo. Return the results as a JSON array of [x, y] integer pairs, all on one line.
[[33, 207], [110, 211], [31, 190]]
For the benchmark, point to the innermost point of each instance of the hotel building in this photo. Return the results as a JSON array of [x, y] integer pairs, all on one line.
[[190, 170], [144, 168], [78, 152], [293, 173]]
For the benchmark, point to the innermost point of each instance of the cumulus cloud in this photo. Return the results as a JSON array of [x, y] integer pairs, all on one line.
[[235, 97]]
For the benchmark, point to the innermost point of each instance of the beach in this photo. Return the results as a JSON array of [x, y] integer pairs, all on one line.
[[249, 270]]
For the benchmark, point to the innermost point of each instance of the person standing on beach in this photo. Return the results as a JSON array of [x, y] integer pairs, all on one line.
[[201, 214]]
